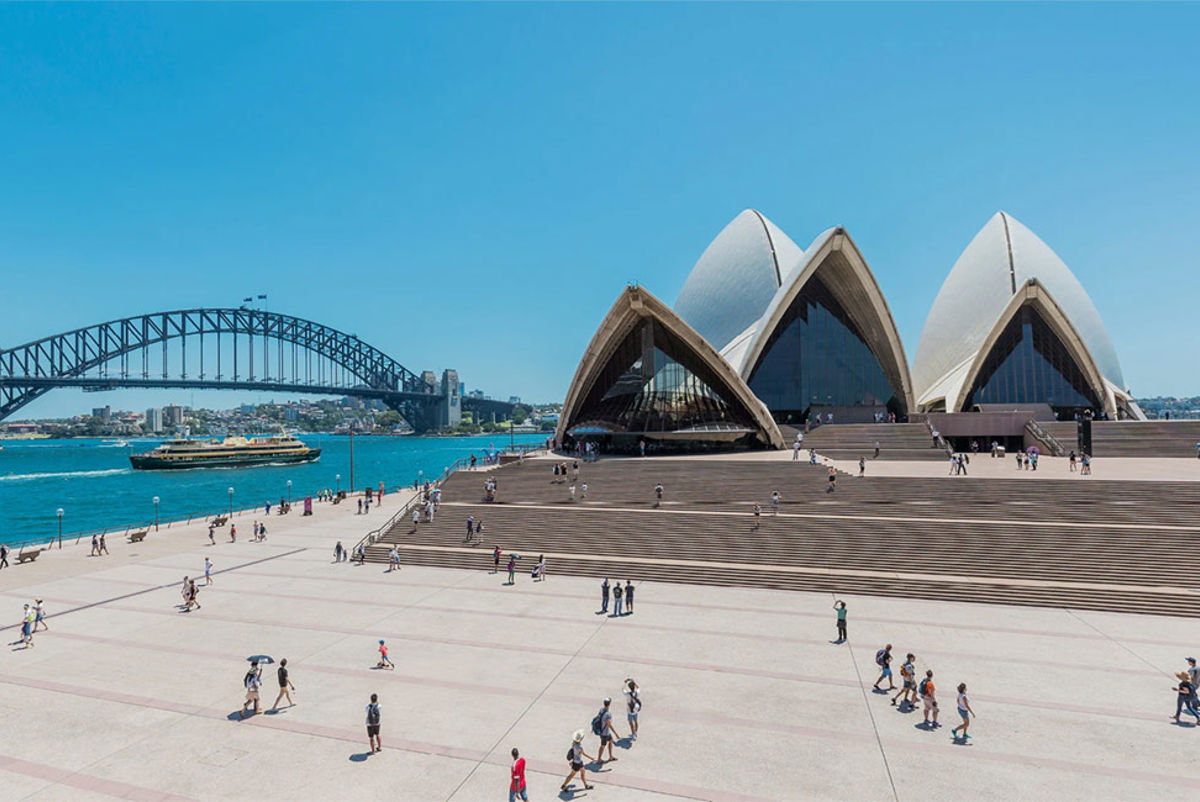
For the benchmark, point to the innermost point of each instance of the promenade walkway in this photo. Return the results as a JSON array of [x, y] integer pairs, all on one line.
[[746, 696]]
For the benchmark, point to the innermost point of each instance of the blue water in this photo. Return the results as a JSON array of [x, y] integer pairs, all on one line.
[[92, 482]]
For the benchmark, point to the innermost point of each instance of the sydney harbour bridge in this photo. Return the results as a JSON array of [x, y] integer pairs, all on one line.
[[230, 349]]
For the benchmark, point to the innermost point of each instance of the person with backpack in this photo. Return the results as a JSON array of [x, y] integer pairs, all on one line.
[[374, 718], [618, 593], [883, 659], [604, 596], [840, 607], [908, 693], [602, 726], [926, 691], [253, 682], [575, 756], [965, 712], [633, 704]]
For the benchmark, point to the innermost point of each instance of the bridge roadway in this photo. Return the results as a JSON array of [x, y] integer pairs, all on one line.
[[1101, 545]]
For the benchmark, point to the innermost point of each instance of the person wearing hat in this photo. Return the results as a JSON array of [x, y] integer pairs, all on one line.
[[575, 756], [39, 617], [1185, 698]]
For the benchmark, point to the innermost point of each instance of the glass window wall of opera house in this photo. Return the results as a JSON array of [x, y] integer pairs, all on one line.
[[766, 334]]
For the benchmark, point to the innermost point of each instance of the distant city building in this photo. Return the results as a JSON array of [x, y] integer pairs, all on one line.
[[172, 415], [154, 420], [103, 413], [450, 409], [514, 399], [246, 409], [291, 413]]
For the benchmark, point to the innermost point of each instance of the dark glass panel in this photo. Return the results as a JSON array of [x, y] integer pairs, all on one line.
[[818, 357], [1030, 365], [655, 383]]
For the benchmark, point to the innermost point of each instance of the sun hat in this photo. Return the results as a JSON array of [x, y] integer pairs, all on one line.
[[578, 737], [1181, 674], [1189, 659]]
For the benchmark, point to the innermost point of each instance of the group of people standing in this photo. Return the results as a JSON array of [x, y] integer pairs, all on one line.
[[621, 597]]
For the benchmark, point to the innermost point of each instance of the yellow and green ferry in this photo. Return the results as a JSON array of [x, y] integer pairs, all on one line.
[[230, 452]]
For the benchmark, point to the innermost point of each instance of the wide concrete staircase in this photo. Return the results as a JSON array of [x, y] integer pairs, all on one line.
[[897, 441], [1156, 438], [1104, 545]]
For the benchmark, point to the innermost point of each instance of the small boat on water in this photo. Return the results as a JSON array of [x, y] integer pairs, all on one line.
[[230, 452]]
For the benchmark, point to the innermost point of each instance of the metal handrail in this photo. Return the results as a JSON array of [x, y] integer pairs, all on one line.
[[1045, 437]]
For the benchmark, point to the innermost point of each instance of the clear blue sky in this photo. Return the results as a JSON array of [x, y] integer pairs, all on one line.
[[471, 186]]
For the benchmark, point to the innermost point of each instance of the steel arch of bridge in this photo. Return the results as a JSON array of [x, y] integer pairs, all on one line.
[[86, 357]]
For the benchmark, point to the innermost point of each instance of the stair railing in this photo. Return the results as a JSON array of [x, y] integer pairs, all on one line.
[[1045, 438]]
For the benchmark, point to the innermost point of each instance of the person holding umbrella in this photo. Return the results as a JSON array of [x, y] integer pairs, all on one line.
[[253, 682]]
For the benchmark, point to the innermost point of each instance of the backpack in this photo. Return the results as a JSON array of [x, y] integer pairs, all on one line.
[[879, 657], [571, 754], [373, 715], [597, 724], [246, 679], [923, 688]]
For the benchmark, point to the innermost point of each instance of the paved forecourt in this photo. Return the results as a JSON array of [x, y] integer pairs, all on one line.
[[745, 696]]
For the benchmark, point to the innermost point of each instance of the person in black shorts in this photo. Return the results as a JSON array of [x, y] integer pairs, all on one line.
[[285, 685], [607, 731], [374, 717]]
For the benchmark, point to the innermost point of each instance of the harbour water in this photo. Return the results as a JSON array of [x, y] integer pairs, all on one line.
[[91, 480]]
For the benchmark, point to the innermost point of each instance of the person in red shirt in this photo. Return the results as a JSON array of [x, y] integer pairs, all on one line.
[[517, 786]]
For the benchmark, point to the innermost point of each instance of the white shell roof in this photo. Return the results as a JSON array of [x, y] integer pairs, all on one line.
[[1001, 258], [736, 278]]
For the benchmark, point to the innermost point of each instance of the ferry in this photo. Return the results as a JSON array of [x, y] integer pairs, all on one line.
[[231, 452]]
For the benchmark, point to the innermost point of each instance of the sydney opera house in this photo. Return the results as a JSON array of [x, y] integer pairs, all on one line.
[[765, 334]]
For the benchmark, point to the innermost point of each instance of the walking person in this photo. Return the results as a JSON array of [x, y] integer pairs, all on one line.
[[1185, 699], [212, 541], [575, 756], [470, 528], [95, 552], [839, 607], [374, 719], [604, 596], [39, 615], [103, 543], [883, 659], [27, 627], [757, 515], [862, 467], [926, 691], [285, 685], [633, 705], [512, 569], [658, 494], [3, 555], [908, 693], [876, 450], [496, 559], [207, 571], [832, 480], [774, 503], [602, 725], [618, 593], [965, 712], [193, 595], [629, 596], [337, 552], [516, 786], [253, 682], [416, 519]]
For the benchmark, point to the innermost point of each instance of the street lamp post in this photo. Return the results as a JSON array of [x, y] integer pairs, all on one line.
[[289, 491], [60, 515], [231, 502], [156, 513]]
